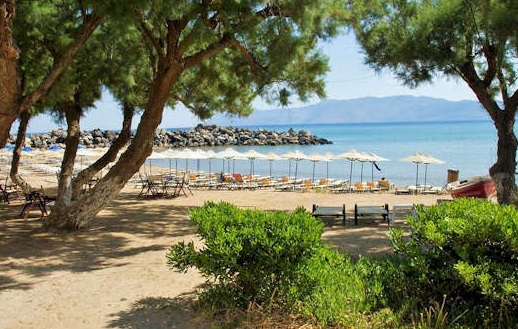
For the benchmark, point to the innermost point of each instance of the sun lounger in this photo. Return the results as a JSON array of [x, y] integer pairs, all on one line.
[[325, 211], [364, 211]]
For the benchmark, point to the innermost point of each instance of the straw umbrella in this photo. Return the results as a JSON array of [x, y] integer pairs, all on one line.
[[296, 156], [375, 158], [252, 155], [351, 155], [430, 160], [229, 153], [272, 156], [416, 158], [314, 158], [154, 156]]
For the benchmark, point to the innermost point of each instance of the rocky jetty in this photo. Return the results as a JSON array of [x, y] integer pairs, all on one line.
[[201, 135]]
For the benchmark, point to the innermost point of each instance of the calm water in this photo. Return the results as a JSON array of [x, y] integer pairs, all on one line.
[[469, 147]]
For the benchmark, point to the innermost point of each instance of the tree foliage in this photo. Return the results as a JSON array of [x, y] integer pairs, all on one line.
[[212, 56], [475, 40]]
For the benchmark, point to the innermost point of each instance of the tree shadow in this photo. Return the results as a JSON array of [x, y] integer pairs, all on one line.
[[160, 313], [29, 249]]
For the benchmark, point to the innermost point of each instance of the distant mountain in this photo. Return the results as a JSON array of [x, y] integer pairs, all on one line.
[[363, 110]]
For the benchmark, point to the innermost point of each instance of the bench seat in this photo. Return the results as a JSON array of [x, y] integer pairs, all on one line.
[[326, 211], [371, 211]]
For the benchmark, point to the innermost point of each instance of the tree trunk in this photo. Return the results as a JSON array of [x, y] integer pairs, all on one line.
[[124, 136], [79, 213], [64, 195], [10, 87], [19, 144], [503, 171]]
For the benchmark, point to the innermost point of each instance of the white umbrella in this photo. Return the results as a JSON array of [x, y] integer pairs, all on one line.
[[271, 156], [153, 156], [430, 160], [296, 156], [82, 152], [375, 158], [317, 158], [252, 155], [351, 155], [418, 158], [229, 153]]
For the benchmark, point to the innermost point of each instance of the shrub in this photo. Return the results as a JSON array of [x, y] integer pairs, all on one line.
[[259, 258], [252, 254], [468, 250]]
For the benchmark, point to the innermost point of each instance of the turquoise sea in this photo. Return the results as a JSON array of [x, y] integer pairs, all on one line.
[[469, 147]]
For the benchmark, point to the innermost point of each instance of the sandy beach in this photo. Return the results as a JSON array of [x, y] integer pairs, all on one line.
[[114, 274]]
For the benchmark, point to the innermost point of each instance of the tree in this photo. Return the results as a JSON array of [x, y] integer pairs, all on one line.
[[213, 56], [37, 22], [475, 40]]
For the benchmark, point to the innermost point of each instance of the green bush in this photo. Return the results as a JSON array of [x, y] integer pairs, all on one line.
[[254, 254], [275, 258], [467, 250]]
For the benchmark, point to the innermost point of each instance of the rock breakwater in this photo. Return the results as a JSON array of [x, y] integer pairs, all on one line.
[[201, 135]]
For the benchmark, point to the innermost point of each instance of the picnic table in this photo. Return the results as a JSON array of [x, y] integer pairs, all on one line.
[[326, 211], [363, 211]]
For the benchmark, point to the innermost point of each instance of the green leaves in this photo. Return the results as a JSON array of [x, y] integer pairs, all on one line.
[[466, 249]]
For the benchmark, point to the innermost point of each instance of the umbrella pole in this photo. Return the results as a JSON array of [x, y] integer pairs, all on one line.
[[314, 163], [425, 171], [271, 161], [351, 174], [416, 177], [327, 171], [361, 174], [176, 164]]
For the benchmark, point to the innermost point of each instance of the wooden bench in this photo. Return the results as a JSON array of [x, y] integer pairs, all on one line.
[[371, 210], [325, 211]]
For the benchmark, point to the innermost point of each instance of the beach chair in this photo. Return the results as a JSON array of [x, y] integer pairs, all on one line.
[[182, 186], [9, 192]]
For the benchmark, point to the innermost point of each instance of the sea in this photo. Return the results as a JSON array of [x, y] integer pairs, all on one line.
[[467, 149]]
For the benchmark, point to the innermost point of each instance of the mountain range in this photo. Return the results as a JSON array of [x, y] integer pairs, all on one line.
[[364, 110]]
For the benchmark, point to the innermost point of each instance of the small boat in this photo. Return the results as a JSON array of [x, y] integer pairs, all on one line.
[[474, 187]]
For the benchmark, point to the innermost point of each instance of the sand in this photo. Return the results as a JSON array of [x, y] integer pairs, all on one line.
[[114, 274]]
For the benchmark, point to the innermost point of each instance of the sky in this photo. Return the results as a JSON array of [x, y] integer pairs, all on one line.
[[348, 78]]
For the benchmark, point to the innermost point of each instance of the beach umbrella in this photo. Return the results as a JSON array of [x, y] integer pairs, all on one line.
[[375, 158], [430, 160], [365, 157], [252, 155], [416, 158], [351, 155], [210, 154], [228, 154], [295, 156], [82, 152], [314, 158], [154, 156], [272, 156]]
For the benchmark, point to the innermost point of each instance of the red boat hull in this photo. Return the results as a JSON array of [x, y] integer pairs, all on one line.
[[479, 188]]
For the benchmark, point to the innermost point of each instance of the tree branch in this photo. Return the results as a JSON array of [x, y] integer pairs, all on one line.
[[492, 68], [252, 62], [90, 24], [149, 34], [224, 42]]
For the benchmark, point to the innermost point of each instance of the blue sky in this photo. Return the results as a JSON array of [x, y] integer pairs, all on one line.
[[349, 78]]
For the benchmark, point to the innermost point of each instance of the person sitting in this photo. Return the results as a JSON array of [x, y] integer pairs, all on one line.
[[383, 184]]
